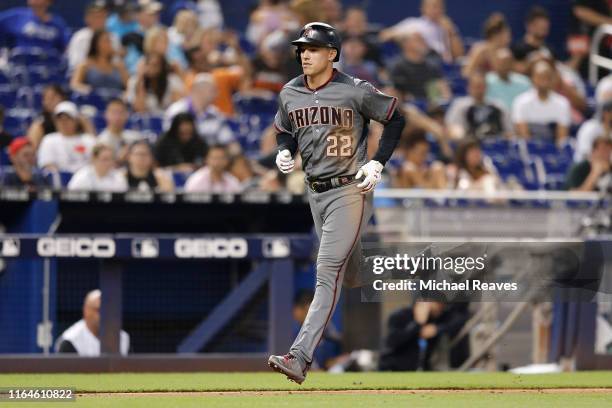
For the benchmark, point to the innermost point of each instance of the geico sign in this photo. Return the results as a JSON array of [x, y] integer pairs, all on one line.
[[211, 248], [76, 247]]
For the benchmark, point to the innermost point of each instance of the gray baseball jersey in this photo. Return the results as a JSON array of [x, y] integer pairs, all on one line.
[[330, 123]]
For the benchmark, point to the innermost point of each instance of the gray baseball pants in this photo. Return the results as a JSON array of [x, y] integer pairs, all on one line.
[[340, 216]]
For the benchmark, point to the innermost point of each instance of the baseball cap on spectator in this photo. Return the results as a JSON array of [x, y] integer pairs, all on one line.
[[17, 144], [150, 6], [66, 108]]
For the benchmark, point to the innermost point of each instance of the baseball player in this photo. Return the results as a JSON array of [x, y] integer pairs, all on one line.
[[325, 114]]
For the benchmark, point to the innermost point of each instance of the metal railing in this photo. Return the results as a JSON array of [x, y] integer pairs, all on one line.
[[596, 60]]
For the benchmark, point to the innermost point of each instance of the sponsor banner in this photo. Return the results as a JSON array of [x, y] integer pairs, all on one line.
[[154, 247]]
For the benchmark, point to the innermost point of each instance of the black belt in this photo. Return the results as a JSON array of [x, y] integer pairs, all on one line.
[[321, 186]]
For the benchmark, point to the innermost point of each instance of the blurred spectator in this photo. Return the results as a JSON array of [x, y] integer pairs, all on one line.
[[100, 71], [471, 171], [604, 86], [5, 137], [438, 30], [95, 20], [211, 124], [306, 12], [353, 63], [156, 41], [537, 27], [565, 82], [272, 181], [83, 336], [182, 31], [503, 85], [220, 55], [123, 22], [332, 11], [356, 24], [330, 346], [140, 173], [214, 177], [34, 26], [414, 75], [208, 11], [432, 123], [586, 15], [599, 125], [101, 174], [269, 16], [69, 148], [595, 173], [415, 171], [24, 172], [181, 148], [115, 134], [242, 169], [540, 112], [497, 35], [148, 15], [155, 87], [52, 95], [433, 323], [269, 71], [475, 116]]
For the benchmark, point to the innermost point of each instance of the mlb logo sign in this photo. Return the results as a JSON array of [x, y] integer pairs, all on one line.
[[145, 248], [308, 32], [276, 248], [10, 247]]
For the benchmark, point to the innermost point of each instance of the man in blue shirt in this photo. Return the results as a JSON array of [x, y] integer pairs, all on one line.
[[33, 26]]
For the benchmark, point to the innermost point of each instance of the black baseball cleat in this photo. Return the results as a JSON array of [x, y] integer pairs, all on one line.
[[288, 365]]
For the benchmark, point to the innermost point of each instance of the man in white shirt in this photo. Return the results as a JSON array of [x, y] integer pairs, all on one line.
[[95, 19], [115, 134], [214, 177], [542, 113], [82, 337], [438, 30], [101, 175], [68, 149], [210, 123]]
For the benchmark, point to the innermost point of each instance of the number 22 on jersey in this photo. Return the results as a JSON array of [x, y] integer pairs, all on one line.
[[339, 146]]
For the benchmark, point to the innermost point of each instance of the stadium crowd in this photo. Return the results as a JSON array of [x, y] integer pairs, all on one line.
[[127, 103]]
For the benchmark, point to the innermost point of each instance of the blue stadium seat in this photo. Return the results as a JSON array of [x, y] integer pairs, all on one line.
[[30, 56], [8, 96], [246, 104], [99, 122], [541, 148], [5, 79], [16, 121], [180, 178], [65, 177], [98, 98]]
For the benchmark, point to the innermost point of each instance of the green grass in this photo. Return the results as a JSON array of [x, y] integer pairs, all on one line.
[[315, 381], [90, 383], [484, 400]]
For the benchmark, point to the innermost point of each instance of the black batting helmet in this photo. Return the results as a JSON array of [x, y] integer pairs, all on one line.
[[319, 34]]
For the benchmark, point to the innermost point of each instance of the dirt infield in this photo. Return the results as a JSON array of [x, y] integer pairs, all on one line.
[[351, 392]]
